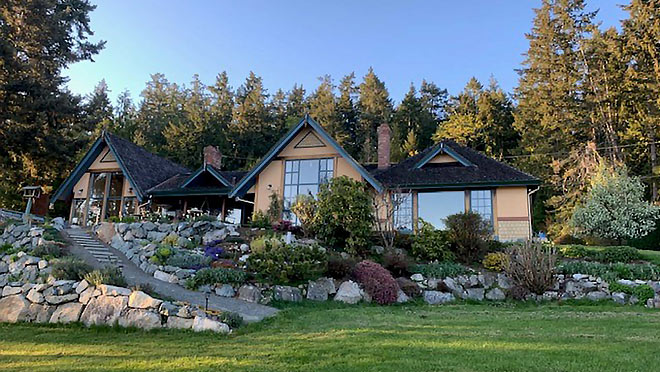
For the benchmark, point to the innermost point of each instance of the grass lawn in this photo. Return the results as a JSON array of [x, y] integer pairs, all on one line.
[[650, 256], [332, 337]]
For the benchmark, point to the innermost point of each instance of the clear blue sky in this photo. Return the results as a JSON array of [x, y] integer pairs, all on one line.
[[287, 42]]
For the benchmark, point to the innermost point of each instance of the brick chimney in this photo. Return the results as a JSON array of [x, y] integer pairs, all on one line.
[[212, 156], [384, 135]]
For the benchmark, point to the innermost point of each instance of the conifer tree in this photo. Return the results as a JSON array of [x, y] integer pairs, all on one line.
[[347, 113], [375, 108]]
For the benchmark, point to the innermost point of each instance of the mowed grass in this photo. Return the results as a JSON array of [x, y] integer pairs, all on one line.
[[332, 337]]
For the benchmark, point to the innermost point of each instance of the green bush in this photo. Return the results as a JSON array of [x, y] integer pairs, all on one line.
[[340, 267], [162, 254], [233, 320], [187, 260], [344, 215], [69, 268], [612, 271], [49, 251], [496, 261], [642, 292], [468, 233], [430, 244], [7, 249], [397, 262], [50, 233], [260, 220], [441, 270], [651, 241], [305, 209], [109, 275], [573, 251], [210, 276], [617, 254], [262, 243], [288, 263]]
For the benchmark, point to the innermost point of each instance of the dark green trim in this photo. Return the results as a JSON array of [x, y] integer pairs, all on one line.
[[209, 169], [469, 185], [79, 170], [189, 192], [247, 181], [441, 147]]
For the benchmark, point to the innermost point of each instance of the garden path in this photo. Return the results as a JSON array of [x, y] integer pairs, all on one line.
[[251, 312]]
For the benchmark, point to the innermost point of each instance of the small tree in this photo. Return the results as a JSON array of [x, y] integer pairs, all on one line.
[[275, 207], [615, 207], [385, 205], [305, 209], [468, 232], [344, 215]]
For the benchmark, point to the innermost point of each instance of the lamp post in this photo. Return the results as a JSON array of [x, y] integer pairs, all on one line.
[[207, 295]]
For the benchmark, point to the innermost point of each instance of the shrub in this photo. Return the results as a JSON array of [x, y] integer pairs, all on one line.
[[69, 268], [404, 241], [288, 263], [344, 215], [651, 241], [262, 243], [340, 267], [259, 220], [377, 282], [617, 254], [468, 233], [573, 251], [208, 276], [275, 207], [285, 226], [441, 270], [305, 209], [109, 275], [49, 251], [213, 251], [161, 255], [186, 260], [233, 320], [397, 262], [410, 288], [7, 249], [611, 272], [430, 244], [51, 234], [531, 266], [496, 245], [170, 241], [642, 292], [496, 261]]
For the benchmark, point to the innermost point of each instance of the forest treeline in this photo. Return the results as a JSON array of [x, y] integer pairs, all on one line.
[[584, 92]]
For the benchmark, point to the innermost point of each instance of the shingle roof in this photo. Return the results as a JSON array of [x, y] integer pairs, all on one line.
[[173, 185], [145, 169], [483, 171]]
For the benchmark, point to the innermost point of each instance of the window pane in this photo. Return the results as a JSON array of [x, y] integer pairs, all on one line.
[[98, 185], [403, 216], [94, 215], [79, 206], [116, 185], [112, 208], [309, 171], [130, 206], [481, 202], [308, 189], [434, 207]]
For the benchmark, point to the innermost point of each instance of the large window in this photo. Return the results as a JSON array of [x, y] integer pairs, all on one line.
[[434, 207], [105, 199], [403, 211], [481, 201], [304, 177]]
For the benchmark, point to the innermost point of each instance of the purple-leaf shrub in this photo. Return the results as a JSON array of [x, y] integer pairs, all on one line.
[[213, 252], [377, 281]]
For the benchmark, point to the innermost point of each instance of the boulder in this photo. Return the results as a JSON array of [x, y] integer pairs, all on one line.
[[139, 318], [4, 268], [316, 291], [437, 297], [39, 313], [179, 323], [225, 290], [503, 281], [214, 235], [35, 296], [597, 295], [475, 294], [82, 286], [487, 279], [155, 236], [86, 295], [205, 324], [249, 293], [417, 277], [450, 285], [141, 300], [56, 300], [104, 310], [67, 313], [10, 291], [349, 292], [401, 297], [286, 293], [111, 290], [170, 278], [495, 294], [149, 226], [13, 309], [619, 298], [105, 231]]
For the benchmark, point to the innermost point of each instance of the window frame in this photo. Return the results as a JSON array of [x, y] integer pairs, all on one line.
[[490, 198], [409, 210], [325, 171]]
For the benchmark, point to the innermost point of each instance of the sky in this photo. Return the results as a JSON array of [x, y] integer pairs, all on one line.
[[289, 42]]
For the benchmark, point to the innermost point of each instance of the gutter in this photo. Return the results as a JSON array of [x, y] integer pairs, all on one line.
[[529, 209]]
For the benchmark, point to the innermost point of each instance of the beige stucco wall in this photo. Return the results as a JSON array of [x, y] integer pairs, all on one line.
[[290, 151], [344, 168], [442, 158], [268, 181], [512, 213], [81, 188], [98, 165]]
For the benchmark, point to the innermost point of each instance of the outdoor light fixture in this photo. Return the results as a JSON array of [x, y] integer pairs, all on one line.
[[207, 295]]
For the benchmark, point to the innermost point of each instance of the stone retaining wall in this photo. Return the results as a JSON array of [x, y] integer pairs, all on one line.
[[24, 298]]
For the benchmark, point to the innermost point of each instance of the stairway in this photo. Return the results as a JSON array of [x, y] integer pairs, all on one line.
[[96, 248]]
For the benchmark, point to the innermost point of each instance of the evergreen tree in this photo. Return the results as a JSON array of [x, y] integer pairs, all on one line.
[[322, 107], [161, 106], [296, 105], [347, 113], [41, 130], [125, 117], [408, 118], [221, 110], [98, 111], [434, 102], [375, 108]]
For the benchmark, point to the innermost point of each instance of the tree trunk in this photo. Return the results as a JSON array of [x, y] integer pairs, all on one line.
[[654, 184]]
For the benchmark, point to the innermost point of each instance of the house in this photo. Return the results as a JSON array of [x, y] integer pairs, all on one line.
[[119, 178]]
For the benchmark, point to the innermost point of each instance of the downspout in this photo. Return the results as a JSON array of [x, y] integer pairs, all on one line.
[[529, 210]]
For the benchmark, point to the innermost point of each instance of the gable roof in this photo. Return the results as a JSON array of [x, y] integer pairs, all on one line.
[[180, 185], [249, 180], [207, 168], [143, 169], [473, 169]]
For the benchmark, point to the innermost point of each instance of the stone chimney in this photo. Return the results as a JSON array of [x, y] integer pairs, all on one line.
[[212, 156], [384, 135]]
